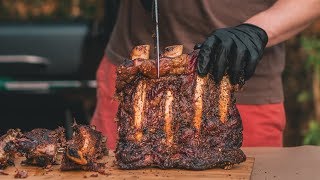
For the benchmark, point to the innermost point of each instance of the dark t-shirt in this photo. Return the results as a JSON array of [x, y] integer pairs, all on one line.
[[188, 22]]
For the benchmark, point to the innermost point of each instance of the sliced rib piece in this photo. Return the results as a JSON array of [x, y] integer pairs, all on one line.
[[84, 149], [6, 149], [40, 146]]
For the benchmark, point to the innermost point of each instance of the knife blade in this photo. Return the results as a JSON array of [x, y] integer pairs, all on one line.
[[157, 43]]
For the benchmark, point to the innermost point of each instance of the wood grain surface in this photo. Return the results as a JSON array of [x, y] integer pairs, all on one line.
[[241, 171]]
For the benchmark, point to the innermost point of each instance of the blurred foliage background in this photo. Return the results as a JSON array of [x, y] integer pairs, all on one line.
[[30, 10], [301, 77], [302, 88]]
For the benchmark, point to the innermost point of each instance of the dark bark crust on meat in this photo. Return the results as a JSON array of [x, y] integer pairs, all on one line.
[[216, 144], [68, 165], [84, 149], [6, 153], [40, 146]]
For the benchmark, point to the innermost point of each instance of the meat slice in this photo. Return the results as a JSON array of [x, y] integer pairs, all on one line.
[[180, 120], [40, 146], [6, 155], [85, 148]]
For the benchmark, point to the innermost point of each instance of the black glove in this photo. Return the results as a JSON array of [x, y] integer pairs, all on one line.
[[235, 50]]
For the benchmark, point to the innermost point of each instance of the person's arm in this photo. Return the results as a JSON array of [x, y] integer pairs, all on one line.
[[286, 18], [238, 50]]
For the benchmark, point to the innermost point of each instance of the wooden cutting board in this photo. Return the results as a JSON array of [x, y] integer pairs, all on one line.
[[242, 171]]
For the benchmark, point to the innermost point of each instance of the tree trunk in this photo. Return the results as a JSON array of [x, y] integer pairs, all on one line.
[[316, 92]]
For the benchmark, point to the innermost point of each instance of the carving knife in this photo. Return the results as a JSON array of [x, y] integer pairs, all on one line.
[[156, 23]]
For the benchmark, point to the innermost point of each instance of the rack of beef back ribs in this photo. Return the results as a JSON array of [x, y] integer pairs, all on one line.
[[180, 120]]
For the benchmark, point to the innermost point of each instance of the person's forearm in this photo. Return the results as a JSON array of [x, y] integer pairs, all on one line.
[[286, 18]]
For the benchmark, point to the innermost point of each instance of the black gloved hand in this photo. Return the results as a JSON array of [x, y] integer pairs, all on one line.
[[235, 50]]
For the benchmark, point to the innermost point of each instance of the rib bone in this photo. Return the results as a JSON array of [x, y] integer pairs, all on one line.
[[173, 51], [198, 102], [140, 52], [139, 101], [168, 118], [224, 98]]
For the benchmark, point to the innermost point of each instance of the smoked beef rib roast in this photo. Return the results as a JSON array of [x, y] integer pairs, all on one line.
[[180, 120]]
